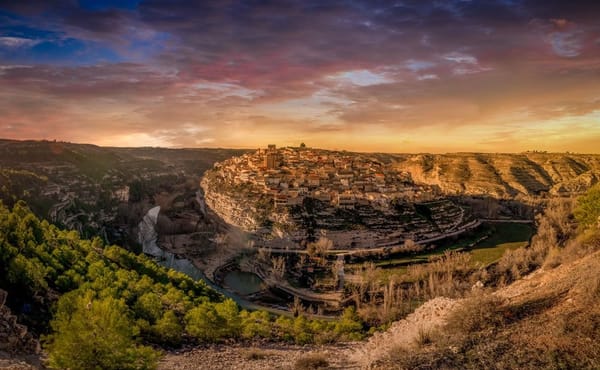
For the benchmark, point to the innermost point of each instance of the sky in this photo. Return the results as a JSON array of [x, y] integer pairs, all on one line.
[[362, 75]]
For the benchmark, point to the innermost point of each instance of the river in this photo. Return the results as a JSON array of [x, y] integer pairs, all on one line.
[[148, 237]]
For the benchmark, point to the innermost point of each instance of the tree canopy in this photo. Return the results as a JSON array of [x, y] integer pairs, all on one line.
[[101, 306]]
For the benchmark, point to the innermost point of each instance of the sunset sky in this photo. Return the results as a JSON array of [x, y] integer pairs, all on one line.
[[393, 76]]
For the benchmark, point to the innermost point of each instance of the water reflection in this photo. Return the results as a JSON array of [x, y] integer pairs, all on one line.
[[243, 282]]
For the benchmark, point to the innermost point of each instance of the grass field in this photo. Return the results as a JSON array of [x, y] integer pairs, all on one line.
[[502, 236], [505, 236]]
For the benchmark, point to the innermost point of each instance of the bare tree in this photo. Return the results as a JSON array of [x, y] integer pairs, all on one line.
[[320, 248], [278, 267], [297, 308]]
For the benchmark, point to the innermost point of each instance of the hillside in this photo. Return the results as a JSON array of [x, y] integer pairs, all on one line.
[[536, 308], [503, 175], [100, 306], [549, 319], [96, 190], [287, 196]]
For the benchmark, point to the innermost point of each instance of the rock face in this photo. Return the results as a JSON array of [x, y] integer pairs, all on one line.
[[503, 175], [231, 210], [14, 338]]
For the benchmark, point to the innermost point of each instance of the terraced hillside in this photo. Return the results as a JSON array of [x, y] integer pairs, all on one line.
[[503, 175]]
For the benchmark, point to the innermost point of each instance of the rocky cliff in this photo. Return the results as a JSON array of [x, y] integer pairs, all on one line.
[[503, 175], [234, 211]]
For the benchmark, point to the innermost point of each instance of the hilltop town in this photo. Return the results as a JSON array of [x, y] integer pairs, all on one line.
[[288, 196], [340, 179]]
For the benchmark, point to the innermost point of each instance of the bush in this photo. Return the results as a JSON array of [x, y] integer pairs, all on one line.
[[254, 354], [587, 211], [479, 313], [256, 324], [349, 325], [168, 329], [312, 362], [204, 323], [424, 337]]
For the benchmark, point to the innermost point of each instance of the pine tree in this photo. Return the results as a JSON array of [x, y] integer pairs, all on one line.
[[92, 333]]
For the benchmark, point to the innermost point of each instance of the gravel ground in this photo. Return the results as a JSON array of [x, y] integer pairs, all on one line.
[[257, 357]]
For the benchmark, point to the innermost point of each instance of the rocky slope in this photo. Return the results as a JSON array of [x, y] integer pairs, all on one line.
[[503, 175], [514, 177], [405, 333], [18, 348], [549, 317]]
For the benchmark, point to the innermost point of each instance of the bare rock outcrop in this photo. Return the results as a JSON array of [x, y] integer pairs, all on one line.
[[233, 211], [15, 340]]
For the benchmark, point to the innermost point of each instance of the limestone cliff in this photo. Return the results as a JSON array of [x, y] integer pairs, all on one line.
[[232, 210]]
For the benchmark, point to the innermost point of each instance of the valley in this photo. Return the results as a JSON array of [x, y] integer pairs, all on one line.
[[274, 216], [381, 256]]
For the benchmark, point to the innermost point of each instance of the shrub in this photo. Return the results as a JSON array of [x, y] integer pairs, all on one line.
[[168, 329], [312, 362], [424, 337], [587, 211], [479, 313], [254, 354], [204, 323], [256, 324]]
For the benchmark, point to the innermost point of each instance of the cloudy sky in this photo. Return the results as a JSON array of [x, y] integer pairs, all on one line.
[[395, 76]]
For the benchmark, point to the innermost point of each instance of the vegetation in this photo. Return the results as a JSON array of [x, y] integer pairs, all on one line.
[[506, 236], [587, 212], [312, 362], [385, 295], [96, 333], [552, 323], [90, 296]]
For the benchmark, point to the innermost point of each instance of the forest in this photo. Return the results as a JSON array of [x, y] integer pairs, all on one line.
[[101, 306]]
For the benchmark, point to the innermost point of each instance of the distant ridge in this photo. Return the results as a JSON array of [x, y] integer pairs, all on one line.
[[504, 175]]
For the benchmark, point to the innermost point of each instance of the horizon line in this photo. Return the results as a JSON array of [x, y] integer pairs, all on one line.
[[534, 151]]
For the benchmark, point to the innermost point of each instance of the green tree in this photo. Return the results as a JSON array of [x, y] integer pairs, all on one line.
[[228, 310], [256, 324], [302, 334], [349, 325], [587, 211], [149, 307], [168, 329], [28, 274], [92, 333], [204, 323]]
